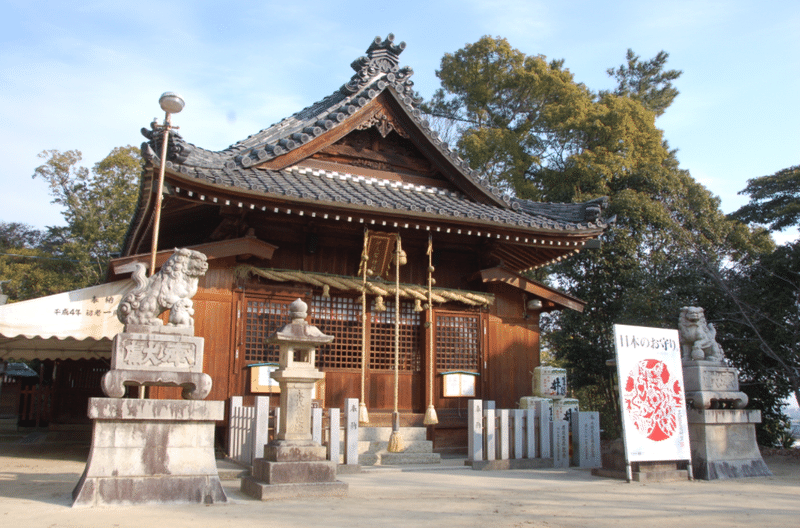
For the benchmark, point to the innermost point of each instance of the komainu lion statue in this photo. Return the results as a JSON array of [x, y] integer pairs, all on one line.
[[698, 338], [170, 289]]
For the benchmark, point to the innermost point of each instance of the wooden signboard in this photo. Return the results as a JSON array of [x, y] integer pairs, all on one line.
[[650, 373]]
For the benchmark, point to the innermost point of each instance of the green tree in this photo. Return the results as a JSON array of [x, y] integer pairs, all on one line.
[[646, 82], [764, 301], [28, 269], [774, 200], [762, 332], [531, 125], [97, 207], [516, 111]]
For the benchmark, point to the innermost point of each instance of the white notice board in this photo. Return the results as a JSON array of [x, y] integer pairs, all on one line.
[[651, 392], [458, 384]]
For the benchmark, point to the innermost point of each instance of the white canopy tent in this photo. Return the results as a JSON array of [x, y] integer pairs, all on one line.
[[79, 324]]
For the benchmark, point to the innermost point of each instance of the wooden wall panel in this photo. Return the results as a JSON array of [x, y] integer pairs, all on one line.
[[381, 393], [512, 355], [212, 321], [340, 385], [508, 302]]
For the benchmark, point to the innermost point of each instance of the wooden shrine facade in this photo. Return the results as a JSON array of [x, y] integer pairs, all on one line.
[[283, 214]]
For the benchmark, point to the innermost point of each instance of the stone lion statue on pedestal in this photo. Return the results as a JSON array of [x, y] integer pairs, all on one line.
[[698, 338], [172, 288]]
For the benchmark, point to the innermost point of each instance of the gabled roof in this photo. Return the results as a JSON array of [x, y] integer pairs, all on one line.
[[283, 165], [378, 73]]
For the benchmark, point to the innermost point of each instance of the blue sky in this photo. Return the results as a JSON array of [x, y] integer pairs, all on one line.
[[87, 75]]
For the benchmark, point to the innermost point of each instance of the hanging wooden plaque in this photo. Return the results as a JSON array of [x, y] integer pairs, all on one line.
[[380, 249]]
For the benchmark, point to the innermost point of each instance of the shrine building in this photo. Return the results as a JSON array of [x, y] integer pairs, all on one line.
[[315, 207]]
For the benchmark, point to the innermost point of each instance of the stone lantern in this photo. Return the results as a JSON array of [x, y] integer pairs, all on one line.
[[297, 374], [294, 464]]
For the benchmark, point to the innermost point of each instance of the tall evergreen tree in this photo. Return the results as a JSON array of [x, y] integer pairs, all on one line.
[[774, 200], [528, 123]]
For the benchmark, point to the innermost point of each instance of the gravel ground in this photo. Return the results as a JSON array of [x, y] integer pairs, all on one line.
[[36, 481]]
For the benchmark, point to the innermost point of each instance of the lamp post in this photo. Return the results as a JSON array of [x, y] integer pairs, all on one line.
[[171, 103]]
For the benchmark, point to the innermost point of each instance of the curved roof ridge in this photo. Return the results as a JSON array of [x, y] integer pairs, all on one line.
[[376, 72]]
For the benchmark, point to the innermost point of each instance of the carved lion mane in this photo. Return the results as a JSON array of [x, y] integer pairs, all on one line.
[[698, 338], [170, 289]]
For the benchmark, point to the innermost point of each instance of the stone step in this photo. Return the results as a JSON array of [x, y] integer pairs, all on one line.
[[382, 434], [385, 458], [419, 446]]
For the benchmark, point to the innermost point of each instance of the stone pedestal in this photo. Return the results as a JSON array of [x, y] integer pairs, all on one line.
[[723, 443], [722, 434], [293, 469], [709, 385], [166, 356], [151, 451]]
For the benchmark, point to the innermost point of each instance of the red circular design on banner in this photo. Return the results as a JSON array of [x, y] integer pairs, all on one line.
[[652, 399]]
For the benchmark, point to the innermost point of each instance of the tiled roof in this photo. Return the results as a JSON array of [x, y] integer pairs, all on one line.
[[376, 73], [317, 185]]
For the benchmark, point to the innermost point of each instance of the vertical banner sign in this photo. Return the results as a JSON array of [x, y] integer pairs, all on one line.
[[653, 405]]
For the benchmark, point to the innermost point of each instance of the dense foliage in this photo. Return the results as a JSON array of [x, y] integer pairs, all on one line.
[[540, 134], [774, 200], [97, 208]]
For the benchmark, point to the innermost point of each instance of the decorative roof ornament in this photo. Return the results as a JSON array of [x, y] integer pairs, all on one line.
[[382, 59], [178, 150]]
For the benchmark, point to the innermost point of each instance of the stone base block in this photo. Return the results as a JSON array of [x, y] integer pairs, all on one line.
[[151, 451], [706, 375], [660, 476], [517, 463], [394, 459], [284, 451], [271, 472], [103, 491], [658, 472], [725, 469], [413, 446], [262, 491], [654, 473], [724, 444], [370, 433], [348, 469]]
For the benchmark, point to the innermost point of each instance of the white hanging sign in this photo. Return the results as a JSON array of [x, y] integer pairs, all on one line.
[[650, 374]]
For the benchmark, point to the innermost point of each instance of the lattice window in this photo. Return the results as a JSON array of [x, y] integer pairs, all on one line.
[[264, 316], [458, 342], [341, 318], [382, 327]]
